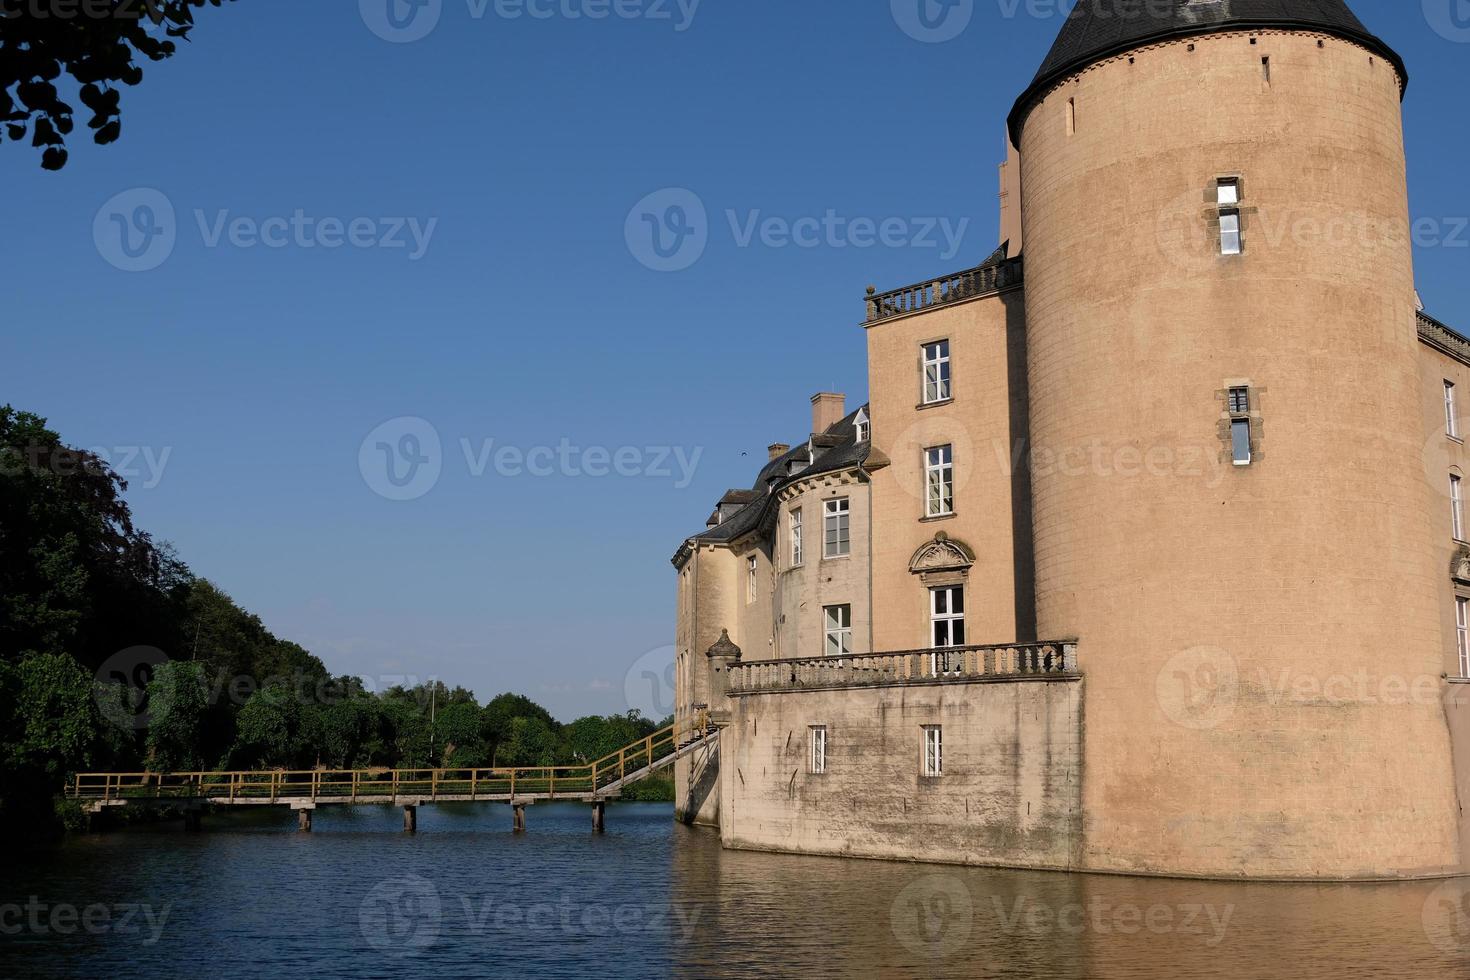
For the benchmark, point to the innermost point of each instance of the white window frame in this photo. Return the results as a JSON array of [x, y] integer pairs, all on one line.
[[1230, 240], [817, 750], [837, 630], [938, 377], [950, 623], [1457, 508], [836, 516], [863, 426], [1451, 422], [932, 751], [1462, 633], [1227, 192], [752, 576], [798, 552], [939, 481]]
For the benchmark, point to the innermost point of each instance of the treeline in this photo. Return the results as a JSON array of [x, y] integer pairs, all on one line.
[[115, 656]]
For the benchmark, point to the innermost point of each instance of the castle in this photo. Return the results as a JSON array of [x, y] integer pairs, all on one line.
[[1147, 554]]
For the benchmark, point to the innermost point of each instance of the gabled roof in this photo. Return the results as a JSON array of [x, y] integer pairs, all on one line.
[[1100, 29], [834, 450]]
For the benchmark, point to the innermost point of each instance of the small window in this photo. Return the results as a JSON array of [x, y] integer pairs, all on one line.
[[752, 576], [817, 758], [836, 531], [1266, 69], [1457, 508], [797, 553], [1227, 192], [1240, 426], [1451, 423], [933, 750], [1240, 401], [864, 429], [939, 481], [1462, 634], [1230, 233], [838, 630], [936, 372], [1071, 117]]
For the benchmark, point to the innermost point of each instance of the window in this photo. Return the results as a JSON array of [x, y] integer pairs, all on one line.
[[947, 627], [1457, 509], [836, 536], [818, 756], [933, 750], [936, 372], [1227, 198], [796, 546], [839, 630], [939, 481], [864, 428], [1240, 425], [1462, 634], [752, 573], [1451, 424], [1071, 117]]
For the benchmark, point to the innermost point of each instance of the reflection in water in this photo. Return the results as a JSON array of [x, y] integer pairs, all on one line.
[[653, 899]]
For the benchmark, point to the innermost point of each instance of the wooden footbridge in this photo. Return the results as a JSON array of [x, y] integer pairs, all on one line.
[[304, 791]]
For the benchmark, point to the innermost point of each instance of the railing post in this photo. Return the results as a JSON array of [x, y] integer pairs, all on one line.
[[474, 777], [355, 774], [433, 784]]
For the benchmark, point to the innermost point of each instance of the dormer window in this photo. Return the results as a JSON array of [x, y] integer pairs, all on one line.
[[863, 426]]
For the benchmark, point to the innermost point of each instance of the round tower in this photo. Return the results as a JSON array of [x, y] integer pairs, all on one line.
[[1230, 505]]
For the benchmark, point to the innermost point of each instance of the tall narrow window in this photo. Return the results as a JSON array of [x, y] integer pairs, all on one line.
[[818, 755], [1462, 634], [1240, 426], [839, 630], [946, 627], [752, 574], [1071, 117], [836, 533], [1451, 423], [933, 750], [939, 481], [797, 554], [1457, 508], [936, 372], [1266, 69], [1227, 197]]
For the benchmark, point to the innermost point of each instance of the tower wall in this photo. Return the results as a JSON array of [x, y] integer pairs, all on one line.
[[1262, 643]]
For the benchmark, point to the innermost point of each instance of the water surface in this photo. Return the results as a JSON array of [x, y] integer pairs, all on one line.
[[465, 897]]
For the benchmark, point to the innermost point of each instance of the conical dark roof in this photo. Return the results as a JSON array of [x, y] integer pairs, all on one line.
[[1100, 29]]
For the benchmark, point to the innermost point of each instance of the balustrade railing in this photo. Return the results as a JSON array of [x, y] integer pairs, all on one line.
[[944, 290], [1057, 659]]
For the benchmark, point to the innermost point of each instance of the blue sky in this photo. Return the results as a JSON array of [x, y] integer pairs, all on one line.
[[518, 319]]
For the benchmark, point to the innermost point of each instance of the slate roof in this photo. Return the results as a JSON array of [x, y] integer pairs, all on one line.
[[834, 450], [1100, 29]]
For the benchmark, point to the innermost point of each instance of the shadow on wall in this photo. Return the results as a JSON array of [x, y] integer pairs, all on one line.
[[704, 780], [1020, 443]]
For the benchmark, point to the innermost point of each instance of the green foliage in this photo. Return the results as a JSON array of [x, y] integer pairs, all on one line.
[[93, 42], [47, 717], [178, 702]]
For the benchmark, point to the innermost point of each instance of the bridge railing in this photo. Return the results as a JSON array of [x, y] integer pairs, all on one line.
[[948, 664], [370, 784]]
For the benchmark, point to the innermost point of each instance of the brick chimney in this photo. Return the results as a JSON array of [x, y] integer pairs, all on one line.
[[828, 408], [776, 450]]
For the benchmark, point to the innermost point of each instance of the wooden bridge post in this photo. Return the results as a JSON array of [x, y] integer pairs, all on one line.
[[518, 821], [303, 819], [599, 816], [410, 818], [193, 819]]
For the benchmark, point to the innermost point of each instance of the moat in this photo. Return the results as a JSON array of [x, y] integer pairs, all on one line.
[[465, 897]]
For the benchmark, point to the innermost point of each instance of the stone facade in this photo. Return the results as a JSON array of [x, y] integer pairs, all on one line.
[[1224, 473]]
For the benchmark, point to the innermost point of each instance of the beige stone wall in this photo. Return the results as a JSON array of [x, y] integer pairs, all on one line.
[[985, 422], [802, 593], [1244, 631], [1443, 455], [1009, 792]]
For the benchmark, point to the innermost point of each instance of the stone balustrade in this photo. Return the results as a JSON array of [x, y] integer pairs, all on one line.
[[951, 665], [943, 290]]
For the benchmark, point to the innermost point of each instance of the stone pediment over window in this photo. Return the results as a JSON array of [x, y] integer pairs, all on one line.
[[1460, 565], [942, 561]]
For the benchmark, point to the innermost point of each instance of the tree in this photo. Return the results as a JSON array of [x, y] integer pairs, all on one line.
[[94, 43], [178, 701], [504, 709], [528, 742], [267, 731], [458, 733], [47, 718]]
